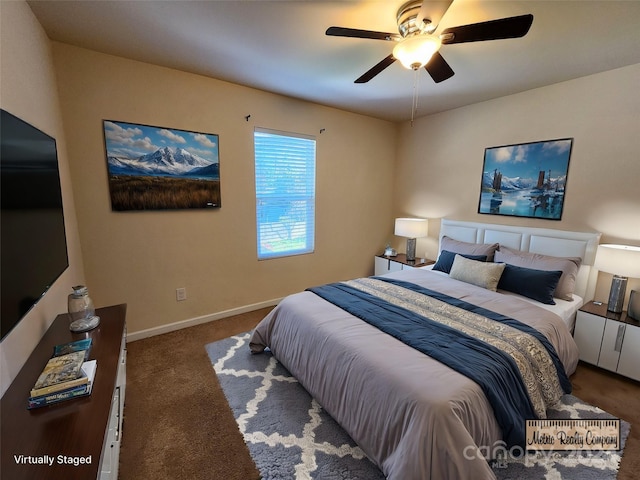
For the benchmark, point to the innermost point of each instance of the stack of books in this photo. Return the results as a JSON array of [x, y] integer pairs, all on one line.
[[68, 374]]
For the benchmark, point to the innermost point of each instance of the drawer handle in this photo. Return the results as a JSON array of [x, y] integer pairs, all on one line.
[[619, 338]]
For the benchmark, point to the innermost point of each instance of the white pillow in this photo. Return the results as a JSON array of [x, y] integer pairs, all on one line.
[[483, 274]]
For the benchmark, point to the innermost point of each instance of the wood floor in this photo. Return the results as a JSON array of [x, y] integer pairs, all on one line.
[[620, 397]]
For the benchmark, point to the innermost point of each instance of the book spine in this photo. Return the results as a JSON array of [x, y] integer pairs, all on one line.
[[83, 380], [44, 400]]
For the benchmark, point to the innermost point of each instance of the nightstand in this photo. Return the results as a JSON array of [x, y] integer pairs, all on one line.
[[384, 264], [608, 340]]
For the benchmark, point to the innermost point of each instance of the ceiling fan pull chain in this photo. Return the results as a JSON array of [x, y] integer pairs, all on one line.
[[414, 103]]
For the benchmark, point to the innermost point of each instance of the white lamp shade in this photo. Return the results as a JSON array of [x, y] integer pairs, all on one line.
[[411, 227], [621, 260], [414, 52]]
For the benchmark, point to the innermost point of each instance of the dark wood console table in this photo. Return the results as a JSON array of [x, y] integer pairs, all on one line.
[[75, 431]]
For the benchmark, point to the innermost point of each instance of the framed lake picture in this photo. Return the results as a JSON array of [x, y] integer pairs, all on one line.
[[157, 168], [526, 180]]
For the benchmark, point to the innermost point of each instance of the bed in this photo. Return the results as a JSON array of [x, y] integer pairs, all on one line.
[[442, 414]]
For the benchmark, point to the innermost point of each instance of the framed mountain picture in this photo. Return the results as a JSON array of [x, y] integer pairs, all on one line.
[[526, 180], [157, 168]]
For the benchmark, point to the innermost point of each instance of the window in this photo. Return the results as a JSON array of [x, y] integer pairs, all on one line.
[[285, 193]]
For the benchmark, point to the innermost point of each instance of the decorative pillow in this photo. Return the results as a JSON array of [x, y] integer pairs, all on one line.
[[535, 284], [568, 265], [445, 260], [456, 246], [483, 274]]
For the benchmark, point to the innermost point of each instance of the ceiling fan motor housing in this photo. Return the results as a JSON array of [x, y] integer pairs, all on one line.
[[408, 22]]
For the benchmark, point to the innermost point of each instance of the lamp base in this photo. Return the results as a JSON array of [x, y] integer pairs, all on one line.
[[411, 249], [616, 295], [84, 324]]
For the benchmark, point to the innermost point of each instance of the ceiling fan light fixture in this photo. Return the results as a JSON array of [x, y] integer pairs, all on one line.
[[414, 52]]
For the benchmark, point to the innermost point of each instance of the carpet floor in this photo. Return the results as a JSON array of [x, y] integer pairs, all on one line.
[[179, 426], [177, 422]]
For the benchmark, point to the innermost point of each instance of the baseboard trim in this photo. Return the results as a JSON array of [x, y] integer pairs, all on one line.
[[190, 322]]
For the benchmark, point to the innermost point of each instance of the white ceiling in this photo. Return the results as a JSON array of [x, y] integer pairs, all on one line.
[[281, 47]]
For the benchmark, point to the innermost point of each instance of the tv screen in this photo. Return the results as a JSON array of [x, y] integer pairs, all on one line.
[[33, 241]]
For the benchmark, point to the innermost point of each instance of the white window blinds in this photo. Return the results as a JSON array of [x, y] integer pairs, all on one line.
[[285, 169]]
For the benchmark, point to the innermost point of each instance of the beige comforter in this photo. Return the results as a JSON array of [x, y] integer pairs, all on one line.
[[416, 418]]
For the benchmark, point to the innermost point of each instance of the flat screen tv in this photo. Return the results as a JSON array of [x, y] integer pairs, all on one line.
[[33, 241]]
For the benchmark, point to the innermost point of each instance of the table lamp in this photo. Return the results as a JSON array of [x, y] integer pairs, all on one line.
[[622, 261], [411, 228]]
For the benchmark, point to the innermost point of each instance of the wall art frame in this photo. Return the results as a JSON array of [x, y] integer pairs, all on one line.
[[526, 180], [160, 168]]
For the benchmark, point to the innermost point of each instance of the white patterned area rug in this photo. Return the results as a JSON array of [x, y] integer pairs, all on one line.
[[290, 436]]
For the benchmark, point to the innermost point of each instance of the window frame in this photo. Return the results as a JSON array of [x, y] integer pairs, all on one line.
[[296, 196]]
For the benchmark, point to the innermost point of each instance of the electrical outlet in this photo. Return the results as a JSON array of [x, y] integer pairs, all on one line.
[[181, 294]]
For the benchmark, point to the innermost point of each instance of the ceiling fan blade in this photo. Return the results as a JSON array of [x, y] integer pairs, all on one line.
[[433, 11], [438, 68], [376, 69], [512, 27], [357, 33]]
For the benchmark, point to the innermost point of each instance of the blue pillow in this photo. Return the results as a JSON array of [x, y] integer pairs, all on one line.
[[445, 260], [538, 285]]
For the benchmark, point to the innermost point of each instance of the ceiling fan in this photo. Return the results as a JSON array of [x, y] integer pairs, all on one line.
[[418, 46]]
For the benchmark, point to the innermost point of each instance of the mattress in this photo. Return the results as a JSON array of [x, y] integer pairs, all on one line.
[[564, 309], [414, 417]]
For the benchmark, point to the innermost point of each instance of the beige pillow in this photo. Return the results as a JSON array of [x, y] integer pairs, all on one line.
[[456, 246], [483, 274], [537, 261]]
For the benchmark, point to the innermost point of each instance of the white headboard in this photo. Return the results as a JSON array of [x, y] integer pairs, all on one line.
[[546, 241]]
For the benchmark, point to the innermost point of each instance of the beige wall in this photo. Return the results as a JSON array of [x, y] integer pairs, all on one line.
[[140, 258], [28, 90], [439, 162]]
